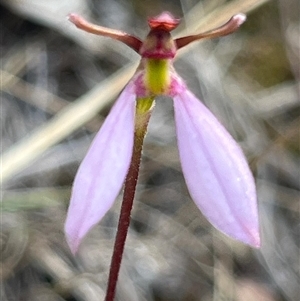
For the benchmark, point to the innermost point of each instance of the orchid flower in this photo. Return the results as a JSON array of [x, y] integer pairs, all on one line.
[[214, 167]]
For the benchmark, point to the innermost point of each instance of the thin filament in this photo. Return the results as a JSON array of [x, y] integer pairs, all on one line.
[[231, 26], [130, 40]]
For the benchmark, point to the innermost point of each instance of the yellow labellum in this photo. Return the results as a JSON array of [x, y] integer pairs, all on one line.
[[157, 75]]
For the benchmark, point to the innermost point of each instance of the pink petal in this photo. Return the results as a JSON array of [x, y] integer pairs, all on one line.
[[216, 171], [103, 170]]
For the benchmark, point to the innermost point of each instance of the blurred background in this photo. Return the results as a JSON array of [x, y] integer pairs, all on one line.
[[58, 84]]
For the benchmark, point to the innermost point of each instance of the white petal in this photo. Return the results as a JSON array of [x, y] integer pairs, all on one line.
[[216, 171], [103, 170]]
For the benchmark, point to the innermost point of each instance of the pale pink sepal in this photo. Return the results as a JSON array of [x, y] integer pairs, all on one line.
[[103, 170], [216, 171]]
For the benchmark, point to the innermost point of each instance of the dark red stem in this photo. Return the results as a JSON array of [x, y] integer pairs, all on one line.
[[124, 220]]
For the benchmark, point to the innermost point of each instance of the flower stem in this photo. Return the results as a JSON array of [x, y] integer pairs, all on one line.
[[143, 113]]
